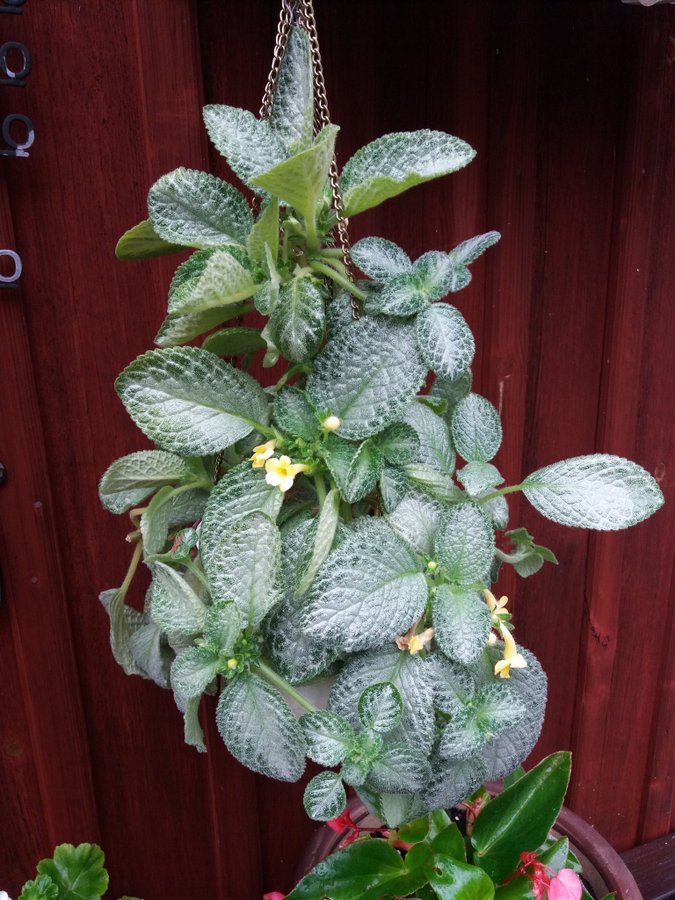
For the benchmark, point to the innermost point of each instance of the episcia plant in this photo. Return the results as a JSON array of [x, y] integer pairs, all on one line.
[[354, 527]]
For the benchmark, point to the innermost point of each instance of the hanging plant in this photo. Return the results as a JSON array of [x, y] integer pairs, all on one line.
[[338, 522]]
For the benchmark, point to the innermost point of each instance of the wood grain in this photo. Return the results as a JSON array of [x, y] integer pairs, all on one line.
[[570, 108]]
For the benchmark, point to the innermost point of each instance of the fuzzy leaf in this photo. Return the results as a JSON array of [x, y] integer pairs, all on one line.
[[243, 567], [298, 319], [325, 797], [300, 180], [355, 467], [380, 259], [461, 623], [598, 491], [259, 729], [465, 544], [234, 341], [265, 234], [454, 686], [143, 242], [240, 491], [183, 327], [323, 539], [445, 340], [399, 768], [189, 401], [411, 676], [434, 270], [368, 591], [476, 429], [380, 708], [223, 624], [453, 780], [196, 209], [132, 478], [435, 449], [295, 414], [193, 670], [298, 658], [401, 295], [399, 443], [176, 609], [478, 477], [223, 282], [433, 482], [78, 872], [510, 748], [155, 522], [393, 163], [469, 251], [416, 518], [250, 145], [452, 390], [393, 487], [328, 736], [367, 377], [293, 107]]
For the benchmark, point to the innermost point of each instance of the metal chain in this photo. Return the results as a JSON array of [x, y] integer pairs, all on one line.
[[321, 119]]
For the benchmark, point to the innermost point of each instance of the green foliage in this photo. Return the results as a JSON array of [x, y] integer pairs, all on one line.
[[78, 872], [339, 539]]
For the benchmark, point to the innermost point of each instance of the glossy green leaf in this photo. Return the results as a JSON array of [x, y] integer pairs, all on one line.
[[520, 818], [449, 842], [196, 209], [78, 872], [143, 242], [452, 879], [41, 888], [191, 402], [368, 869], [395, 162]]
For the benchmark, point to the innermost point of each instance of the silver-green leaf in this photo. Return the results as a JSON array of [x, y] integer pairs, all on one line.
[[250, 145], [476, 428], [445, 340], [132, 478], [461, 623], [380, 707], [196, 209], [176, 609], [395, 162], [465, 544], [325, 797], [259, 729], [598, 491], [298, 320], [191, 402], [328, 736], [380, 259]]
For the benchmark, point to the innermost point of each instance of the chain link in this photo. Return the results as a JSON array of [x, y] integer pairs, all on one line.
[[301, 12]]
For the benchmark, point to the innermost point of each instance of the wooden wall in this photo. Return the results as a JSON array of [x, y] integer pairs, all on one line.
[[571, 107]]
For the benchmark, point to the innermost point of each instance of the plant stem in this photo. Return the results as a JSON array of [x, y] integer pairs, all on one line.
[[281, 683], [312, 235], [507, 490], [338, 279], [133, 565], [197, 572], [320, 486]]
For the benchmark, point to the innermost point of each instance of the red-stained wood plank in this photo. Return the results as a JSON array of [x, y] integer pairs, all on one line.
[[629, 574], [44, 737]]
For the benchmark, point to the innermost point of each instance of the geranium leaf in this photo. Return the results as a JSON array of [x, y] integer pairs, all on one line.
[[78, 872]]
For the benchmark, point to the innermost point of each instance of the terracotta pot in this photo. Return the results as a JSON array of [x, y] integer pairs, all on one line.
[[603, 868]]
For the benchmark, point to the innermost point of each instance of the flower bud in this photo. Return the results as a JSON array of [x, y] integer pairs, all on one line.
[[332, 423]]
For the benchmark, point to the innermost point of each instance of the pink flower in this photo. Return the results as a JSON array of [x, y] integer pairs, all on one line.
[[565, 886], [274, 895]]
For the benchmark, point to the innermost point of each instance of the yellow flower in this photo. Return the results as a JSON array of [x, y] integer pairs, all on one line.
[[261, 453], [496, 607], [412, 642], [512, 659], [332, 423], [281, 472]]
